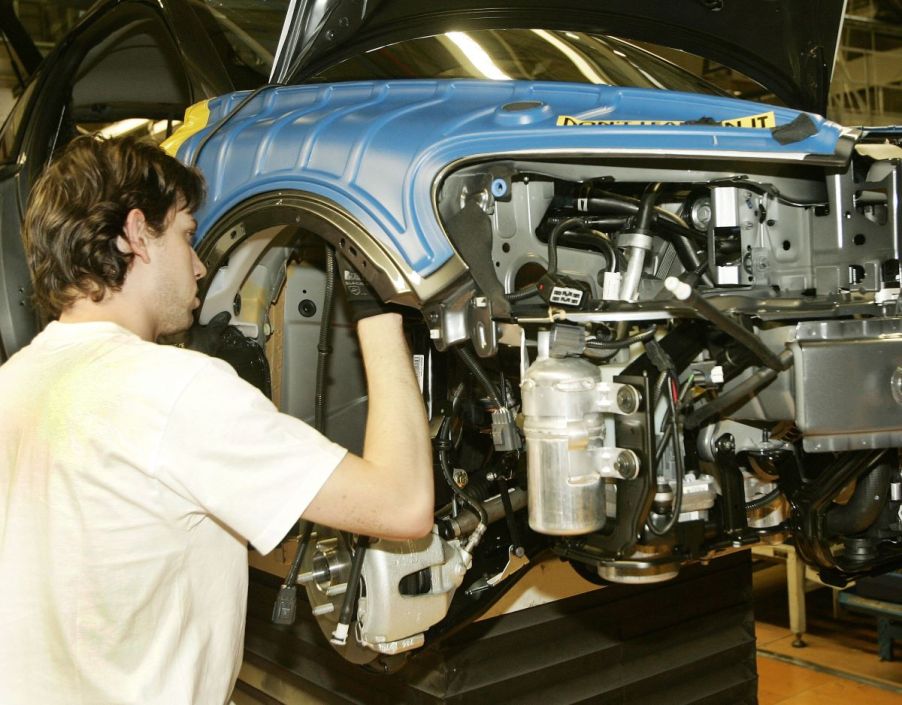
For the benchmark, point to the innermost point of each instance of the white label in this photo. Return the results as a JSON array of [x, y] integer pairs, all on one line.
[[419, 367], [610, 288]]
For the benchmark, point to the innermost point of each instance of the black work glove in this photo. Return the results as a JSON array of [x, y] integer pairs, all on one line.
[[219, 339], [208, 339], [362, 302]]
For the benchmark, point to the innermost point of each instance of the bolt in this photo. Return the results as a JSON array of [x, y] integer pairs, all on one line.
[[460, 477], [326, 608], [625, 465], [726, 443], [627, 400]]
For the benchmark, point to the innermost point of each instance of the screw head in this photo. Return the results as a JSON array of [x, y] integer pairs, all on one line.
[[726, 443], [626, 465], [627, 400]]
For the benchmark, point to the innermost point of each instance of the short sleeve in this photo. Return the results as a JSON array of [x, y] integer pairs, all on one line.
[[227, 449]]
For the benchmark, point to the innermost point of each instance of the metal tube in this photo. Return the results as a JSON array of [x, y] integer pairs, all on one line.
[[466, 522]]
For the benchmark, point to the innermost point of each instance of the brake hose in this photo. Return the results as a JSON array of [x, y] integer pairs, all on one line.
[[348, 605]]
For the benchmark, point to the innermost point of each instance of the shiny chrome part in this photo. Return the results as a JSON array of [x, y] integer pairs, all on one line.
[[646, 565], [567, 423], [638, 245]]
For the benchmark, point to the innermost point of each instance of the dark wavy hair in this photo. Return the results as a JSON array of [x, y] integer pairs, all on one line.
[[77, 210]]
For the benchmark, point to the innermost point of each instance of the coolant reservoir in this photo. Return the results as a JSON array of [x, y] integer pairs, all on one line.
[[563, 423]]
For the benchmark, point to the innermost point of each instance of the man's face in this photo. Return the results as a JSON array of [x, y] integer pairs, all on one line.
[[177, 272]]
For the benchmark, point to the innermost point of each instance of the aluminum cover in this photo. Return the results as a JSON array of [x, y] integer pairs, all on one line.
[[848, 384]]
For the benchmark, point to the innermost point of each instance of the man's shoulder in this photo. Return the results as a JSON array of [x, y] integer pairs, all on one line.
[[172, 367]]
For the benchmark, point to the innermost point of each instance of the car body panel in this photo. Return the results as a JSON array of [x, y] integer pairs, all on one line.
[[379, 148]]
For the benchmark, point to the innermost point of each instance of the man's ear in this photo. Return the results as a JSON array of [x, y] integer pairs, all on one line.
[[135, 235]]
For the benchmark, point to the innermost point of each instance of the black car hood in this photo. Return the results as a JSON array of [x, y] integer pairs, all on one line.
[[788, 46]]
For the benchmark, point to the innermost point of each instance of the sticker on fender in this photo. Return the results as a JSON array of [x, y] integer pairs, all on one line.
[[760, 121]]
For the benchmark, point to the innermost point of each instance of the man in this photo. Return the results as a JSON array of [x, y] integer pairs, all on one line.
[[132, 473]]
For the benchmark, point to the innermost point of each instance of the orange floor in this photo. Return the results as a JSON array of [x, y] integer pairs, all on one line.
[[839, 665], [781, 683]]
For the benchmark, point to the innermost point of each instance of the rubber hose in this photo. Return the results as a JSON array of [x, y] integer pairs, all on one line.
[[647, 208], [470, 361], [323, 349], [867, 502], [350, 598], [559, 230], [762, 501]]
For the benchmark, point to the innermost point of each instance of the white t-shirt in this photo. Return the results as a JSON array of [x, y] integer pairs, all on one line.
[[131, 476]]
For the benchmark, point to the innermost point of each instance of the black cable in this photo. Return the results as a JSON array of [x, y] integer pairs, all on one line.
[[762, 501], [559, 230], [306, 531], [443, 445], [640, 337], [524, 293], [323, 349], [470, 361], [680, 469]]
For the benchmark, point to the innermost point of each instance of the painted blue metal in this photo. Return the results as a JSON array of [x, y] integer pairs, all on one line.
[[377, 148]]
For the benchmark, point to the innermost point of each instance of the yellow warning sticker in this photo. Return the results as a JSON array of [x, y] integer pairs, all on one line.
[[761, 120]]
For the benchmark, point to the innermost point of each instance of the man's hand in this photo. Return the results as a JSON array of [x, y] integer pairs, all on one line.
[[362, 302], [209, 339]]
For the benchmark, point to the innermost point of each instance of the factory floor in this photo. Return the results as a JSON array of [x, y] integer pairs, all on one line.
[[838, 665]]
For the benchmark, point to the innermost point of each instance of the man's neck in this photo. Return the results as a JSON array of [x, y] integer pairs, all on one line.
[[112, 309]]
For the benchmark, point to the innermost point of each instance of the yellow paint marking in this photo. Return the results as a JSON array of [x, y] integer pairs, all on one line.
[[196, 118], [759, 121]]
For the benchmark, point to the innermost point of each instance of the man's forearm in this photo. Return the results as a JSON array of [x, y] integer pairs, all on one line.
[[397, 433]]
